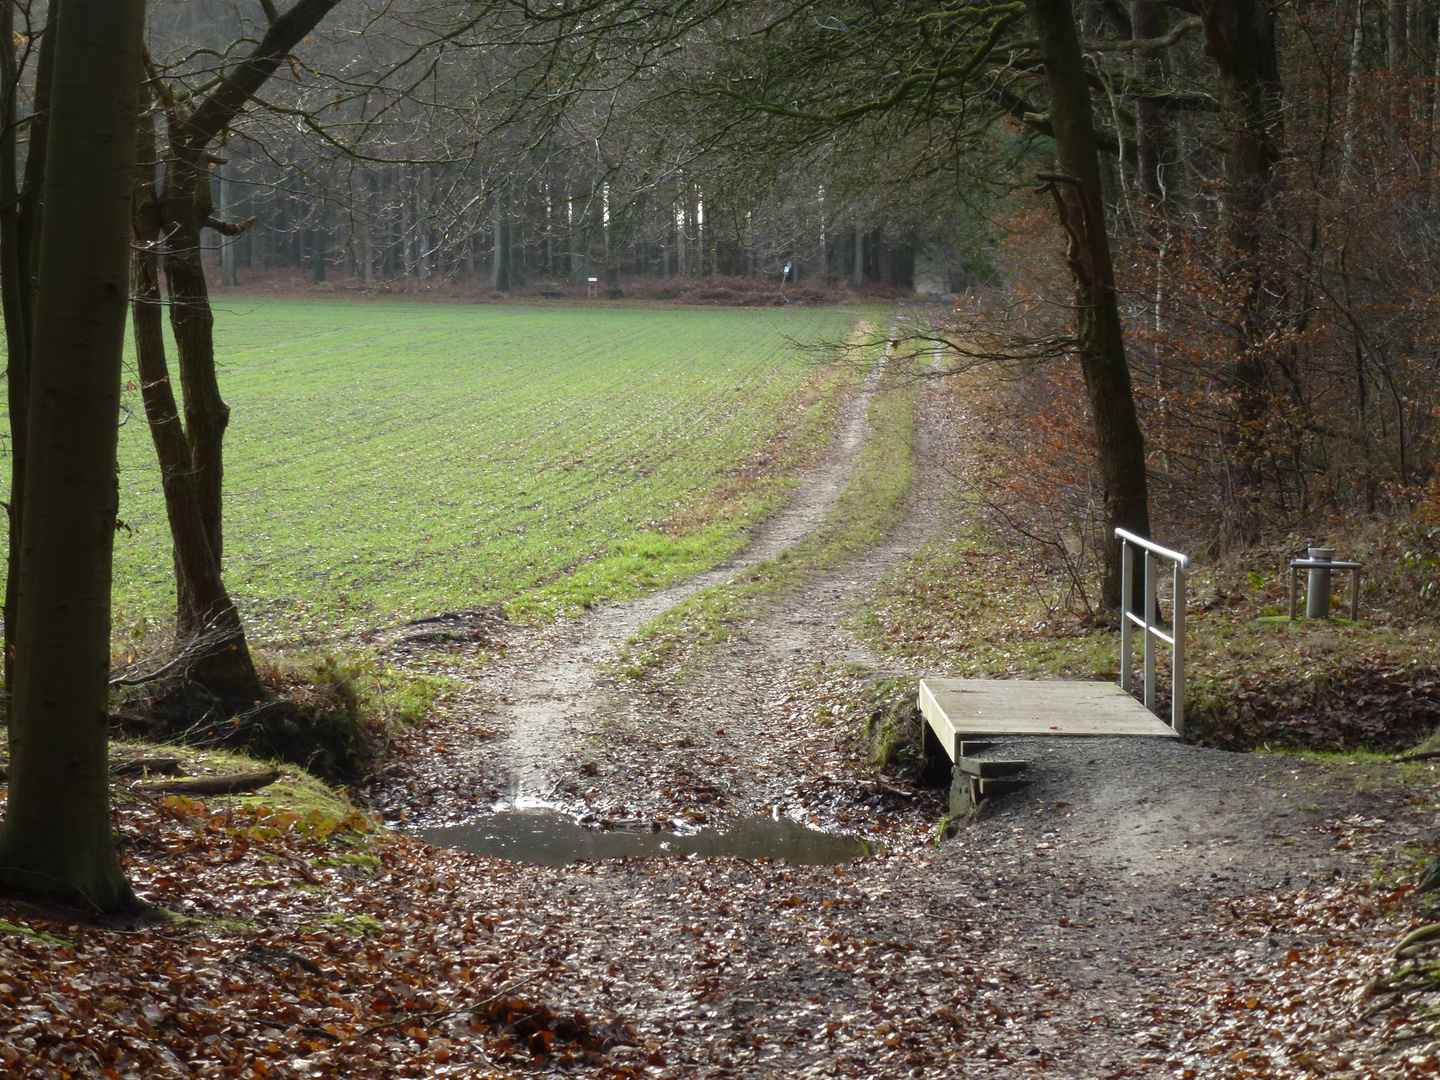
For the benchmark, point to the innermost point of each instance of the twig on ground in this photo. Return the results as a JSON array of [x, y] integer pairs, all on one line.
[[440, 1014], [233, 784]]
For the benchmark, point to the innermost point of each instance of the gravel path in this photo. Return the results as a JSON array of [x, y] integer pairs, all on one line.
[[545, 726], [1085, 926]]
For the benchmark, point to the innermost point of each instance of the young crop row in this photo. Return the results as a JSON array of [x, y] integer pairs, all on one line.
[[386, 461]]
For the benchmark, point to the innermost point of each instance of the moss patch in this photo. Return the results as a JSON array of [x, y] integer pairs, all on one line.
[[37, 936], [359, 925]]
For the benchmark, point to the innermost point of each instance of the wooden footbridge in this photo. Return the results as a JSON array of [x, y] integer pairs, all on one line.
[[964, 717]]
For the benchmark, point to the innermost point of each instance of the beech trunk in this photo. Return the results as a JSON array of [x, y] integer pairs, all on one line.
[[1240, 38], [1150, 19], [19, 222], [193, 478], [206, 614], [1101, 346], [57, 839], [185, 206]]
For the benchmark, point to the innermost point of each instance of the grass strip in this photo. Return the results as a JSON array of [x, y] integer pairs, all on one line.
[[709, 530], [870, 506]]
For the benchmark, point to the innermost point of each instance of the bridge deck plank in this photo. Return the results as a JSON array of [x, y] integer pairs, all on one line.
[[968, 709]]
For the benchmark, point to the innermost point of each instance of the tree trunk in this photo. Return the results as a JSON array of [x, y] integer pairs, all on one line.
[[549, 234], [205, 612], [1240, 37], [367, 242], [228, 276], [500, 267], [319, 248], [1398, 38], [1398, 54], [1150, 20], [391, 264], [57, 838], [185, 211], [320, 243], [1352, 88], [257, 249], [19, 230], [699, 236], [1435, 118], [407, 239], [16, 327], [422, 236], [1100, 343], [682, 226], [185, 206], [608, 246]]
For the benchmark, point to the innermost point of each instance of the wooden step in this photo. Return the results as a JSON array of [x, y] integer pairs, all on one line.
[[999, 785], [987, 767], [970, 749]]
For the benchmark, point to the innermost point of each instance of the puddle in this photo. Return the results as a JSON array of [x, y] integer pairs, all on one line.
[[553, 840]]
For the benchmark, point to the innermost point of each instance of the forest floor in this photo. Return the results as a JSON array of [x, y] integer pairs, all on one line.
[[1144, 908]]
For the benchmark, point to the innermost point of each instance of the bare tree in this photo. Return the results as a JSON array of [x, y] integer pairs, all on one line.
[[169, 219]]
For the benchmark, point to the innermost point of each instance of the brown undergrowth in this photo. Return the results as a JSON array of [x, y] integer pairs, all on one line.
[[331, 713], [1011, 590], [721, 291]]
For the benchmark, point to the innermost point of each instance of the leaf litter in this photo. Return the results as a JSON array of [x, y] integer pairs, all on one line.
[[1035, 943], [967, 958]]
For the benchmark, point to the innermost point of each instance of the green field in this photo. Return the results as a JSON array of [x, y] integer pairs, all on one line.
[[391, 460]]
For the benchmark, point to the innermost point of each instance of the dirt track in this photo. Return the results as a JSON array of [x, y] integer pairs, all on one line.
[[1081, 927]]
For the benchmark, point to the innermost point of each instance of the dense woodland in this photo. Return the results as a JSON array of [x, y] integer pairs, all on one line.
[[1267, 181]]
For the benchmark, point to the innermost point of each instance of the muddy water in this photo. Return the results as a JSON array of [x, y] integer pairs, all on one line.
[[551, 839]]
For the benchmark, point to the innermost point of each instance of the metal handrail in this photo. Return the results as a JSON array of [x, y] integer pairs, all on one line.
[[1151, 546], [1176, 640]]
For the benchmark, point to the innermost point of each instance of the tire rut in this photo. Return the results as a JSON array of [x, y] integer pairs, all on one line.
[[545, 715]]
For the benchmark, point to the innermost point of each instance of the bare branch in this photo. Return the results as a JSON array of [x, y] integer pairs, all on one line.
[[239, 84]]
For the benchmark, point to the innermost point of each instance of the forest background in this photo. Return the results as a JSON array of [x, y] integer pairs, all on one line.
[[1184, 256], [1272, 208], [1266, 184]]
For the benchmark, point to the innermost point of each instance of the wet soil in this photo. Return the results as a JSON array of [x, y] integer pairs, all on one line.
[[544, 724], [1078, 927], [553, 839]]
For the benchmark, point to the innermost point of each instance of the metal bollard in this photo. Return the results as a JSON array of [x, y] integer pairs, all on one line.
[[1317, 585]]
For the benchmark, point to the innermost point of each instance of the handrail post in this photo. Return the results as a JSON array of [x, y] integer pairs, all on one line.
[[1151, 568], [1177, 656], [1149, 621], [1127, 592]]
